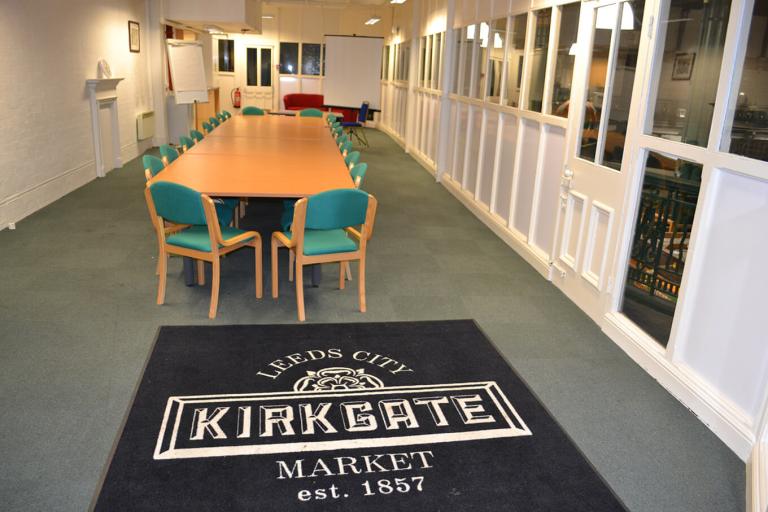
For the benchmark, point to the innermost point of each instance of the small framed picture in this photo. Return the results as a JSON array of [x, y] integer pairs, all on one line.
[[682, 69], [134, 36]]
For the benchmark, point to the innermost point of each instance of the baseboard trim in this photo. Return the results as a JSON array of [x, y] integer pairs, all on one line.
[[496, 224], [726, 420], [757, 479], [425, 162], [394, 136]]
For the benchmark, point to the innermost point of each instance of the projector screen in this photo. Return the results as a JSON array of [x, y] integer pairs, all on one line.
[[353, 71]]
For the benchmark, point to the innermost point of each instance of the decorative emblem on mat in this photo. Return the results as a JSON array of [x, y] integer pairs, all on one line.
[[337, 378]]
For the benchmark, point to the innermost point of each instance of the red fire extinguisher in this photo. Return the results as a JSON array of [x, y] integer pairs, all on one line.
[[236, 97]]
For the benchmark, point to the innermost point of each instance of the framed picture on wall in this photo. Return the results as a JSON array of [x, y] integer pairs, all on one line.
[[682, 69], [134, 37]]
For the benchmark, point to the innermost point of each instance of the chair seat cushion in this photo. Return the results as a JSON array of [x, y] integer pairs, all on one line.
[[330, 241], [197, 237]]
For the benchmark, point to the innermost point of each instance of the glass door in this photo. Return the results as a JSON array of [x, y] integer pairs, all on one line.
[[594, 181], [259, 77]]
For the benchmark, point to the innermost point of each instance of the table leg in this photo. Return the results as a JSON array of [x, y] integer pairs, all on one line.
[[189, 271]]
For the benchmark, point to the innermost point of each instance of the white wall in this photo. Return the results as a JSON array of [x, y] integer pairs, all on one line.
[[47, 51]]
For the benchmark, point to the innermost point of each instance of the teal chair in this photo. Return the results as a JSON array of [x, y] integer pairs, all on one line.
[[226, 114], [195, 233], [196, 135], [208, 127], [221, 117], [186, 143], [152, 166], [331, 118], [168, 154], [215, 122], [310, 112], [253, 111], [345, 148], [324, 230], [351, 159], [358, 173]]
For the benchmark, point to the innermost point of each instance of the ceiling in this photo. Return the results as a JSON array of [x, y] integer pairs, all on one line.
[[327, 3]]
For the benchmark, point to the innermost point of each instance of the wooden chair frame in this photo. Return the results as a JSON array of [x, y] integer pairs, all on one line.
[[213, 257], [297, 258]]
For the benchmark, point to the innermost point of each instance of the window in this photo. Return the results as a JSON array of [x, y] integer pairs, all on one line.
[[289, 58], [467, 49], [749, 134], [498, 34], [481, 66], [266, 67], [310, 59], [566, 56], [437, 61], [385, 63], [456, 60], [259, 67], [422, 61], [660, 243], [539, 60], [690, 69], [252, 62], [226, 56], [515, 52]]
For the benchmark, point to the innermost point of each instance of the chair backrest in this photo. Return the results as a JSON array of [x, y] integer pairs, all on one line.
[[310, 112], [168, 153], [177, 203], [208, 127], [358, 173], [335, 209], [186, 142], [345, 147], [342, 139], [226, 114], [362, 115], [253, 111], [196, 135], [352, 158], [152, 165], [214, 121], [330, 119]]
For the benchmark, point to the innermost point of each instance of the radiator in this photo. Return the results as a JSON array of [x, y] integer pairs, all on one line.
[[145, 125]]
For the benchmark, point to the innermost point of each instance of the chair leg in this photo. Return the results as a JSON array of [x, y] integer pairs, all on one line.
[[361, 284], [300, 292], [348, 270], [157, 267], [214, 289], [258, 269], [274, 268], [291, 265], [162, 265], [342, 280], [201, 272]]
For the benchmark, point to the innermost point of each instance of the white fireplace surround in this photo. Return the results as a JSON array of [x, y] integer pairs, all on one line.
[[103, 91]]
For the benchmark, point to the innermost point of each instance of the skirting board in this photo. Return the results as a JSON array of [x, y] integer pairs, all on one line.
[[757, 479], [501, 230], [25, 203], [723, 418], [393, 135]]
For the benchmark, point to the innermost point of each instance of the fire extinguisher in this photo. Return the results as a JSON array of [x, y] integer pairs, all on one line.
[[236, 97]]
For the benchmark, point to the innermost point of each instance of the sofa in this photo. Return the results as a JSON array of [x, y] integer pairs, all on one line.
[[300, 101]]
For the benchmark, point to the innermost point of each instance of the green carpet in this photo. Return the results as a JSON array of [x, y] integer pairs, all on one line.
[[77, 318]]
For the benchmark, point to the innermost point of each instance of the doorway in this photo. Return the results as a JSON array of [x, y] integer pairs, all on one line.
[[259, 79]]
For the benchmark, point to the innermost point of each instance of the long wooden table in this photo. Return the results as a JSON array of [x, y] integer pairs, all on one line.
[[261, 156]]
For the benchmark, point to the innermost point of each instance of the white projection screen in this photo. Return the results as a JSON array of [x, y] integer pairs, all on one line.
[[353, 71]]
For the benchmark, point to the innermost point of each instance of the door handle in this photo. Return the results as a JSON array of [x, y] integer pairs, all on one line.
[[566, 183]]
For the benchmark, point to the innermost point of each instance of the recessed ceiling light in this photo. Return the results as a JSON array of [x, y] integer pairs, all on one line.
[[267, 17], [373, 20], [397, 1]]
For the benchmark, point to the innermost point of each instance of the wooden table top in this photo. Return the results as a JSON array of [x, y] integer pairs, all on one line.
[[256, 156]]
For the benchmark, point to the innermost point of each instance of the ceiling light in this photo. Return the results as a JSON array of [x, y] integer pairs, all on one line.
[[213, 29], [267, 17], [397, 1], [373, 20]]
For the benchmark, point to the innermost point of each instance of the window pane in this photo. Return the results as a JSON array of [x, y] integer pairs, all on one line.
[[515, 53], [481, 67], [384, 63], [456, 60], [660, 243], [623, 79], [539, 60], [468, 45], [289, 58], [322, 71], [428, 63], [266, 67], [690, 69], [310, 59], [498, 34], [566, 56], [749, 135], [437, 54], [252, 78], [605, 21], [422, 61], [227, 55]]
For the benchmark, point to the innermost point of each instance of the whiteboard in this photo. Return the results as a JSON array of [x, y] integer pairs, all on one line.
[[353, 71], [187, 72]]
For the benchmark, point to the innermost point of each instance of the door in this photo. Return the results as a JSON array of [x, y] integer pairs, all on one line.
[[594, 180], [259, 77]]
